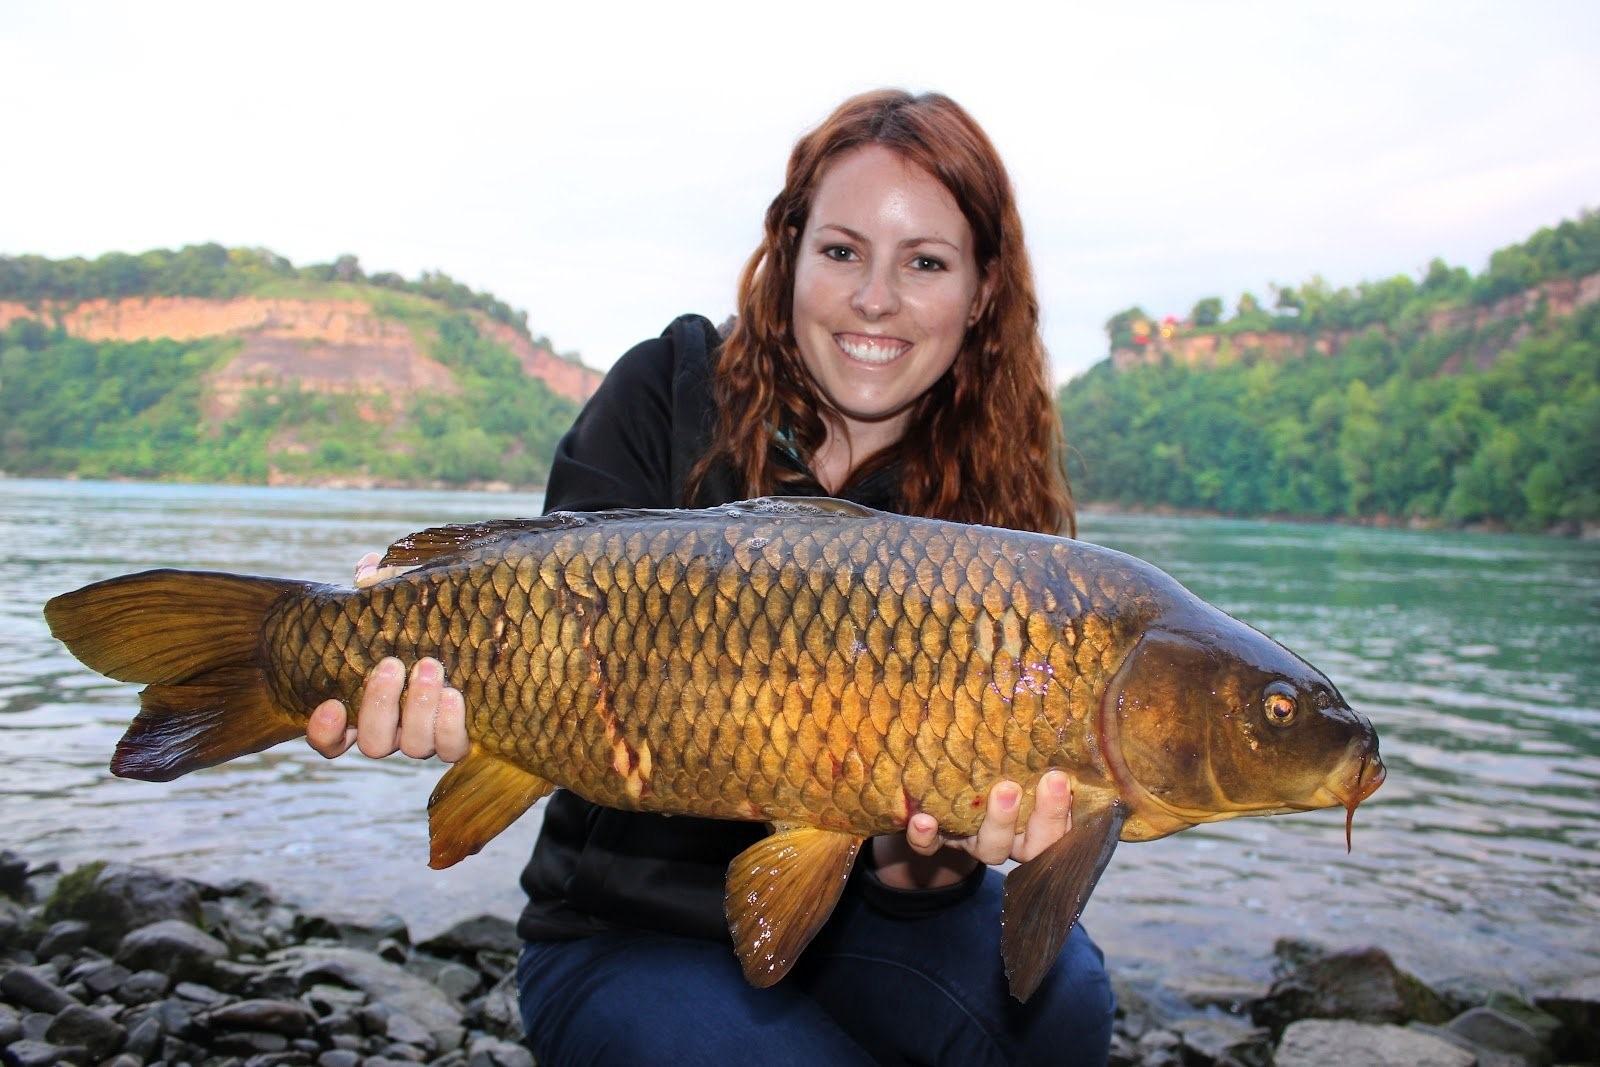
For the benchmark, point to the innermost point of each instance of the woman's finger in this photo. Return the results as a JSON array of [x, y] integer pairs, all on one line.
[[997, 834], [450, 727], [1051, 817], [380, 709], [369, 573], [328, 731], [922, 834], [421, 705]]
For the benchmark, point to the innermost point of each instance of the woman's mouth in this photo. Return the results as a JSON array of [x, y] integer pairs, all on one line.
[[864, 348]]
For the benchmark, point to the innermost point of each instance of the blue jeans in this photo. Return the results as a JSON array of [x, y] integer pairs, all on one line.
[[870, 988]]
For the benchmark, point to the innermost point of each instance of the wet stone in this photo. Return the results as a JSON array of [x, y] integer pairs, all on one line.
[[103, 976], [142, 987], [1492, 1029], [306, 1044], [339, 1057], [199, 994], [126, 1059], [374, 1017], [10, 1025], [339, 1022], [120, 898], [396, 1050], [13, 874], [144, 1037], [84, 1026], [287, 1017], [43, 1054], [248, 1042], [1320, 1042], [405, 1029], [493, 1052], [175, 1016], [485, 933], [28, 987], [1360, 984], [1546, 1026], [66, 936], [326, 999], [35, 1024], [174, 947], [350, 1042], [1217, 1038]]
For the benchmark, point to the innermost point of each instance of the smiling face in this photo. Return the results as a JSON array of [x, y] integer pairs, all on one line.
[[886, 284]]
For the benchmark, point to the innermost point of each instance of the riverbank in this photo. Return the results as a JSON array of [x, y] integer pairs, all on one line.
[[122, 965], [1580, 531]]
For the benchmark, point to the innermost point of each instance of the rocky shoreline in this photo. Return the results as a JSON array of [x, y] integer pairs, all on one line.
[[120, 965]]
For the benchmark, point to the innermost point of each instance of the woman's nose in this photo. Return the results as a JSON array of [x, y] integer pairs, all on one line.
[[876, 296]]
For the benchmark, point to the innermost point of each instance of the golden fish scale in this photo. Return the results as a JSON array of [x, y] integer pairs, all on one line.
[[837, 671]]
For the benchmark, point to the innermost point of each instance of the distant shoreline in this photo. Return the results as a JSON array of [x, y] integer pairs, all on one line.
[[1572, 530]]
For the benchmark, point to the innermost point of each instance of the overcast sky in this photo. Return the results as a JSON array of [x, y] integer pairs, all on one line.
[[606, 168]]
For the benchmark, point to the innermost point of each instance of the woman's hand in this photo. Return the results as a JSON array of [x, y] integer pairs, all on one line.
[[923, 858], [429, 719]]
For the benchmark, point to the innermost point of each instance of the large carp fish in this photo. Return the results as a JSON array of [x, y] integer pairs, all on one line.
[[817, 665]]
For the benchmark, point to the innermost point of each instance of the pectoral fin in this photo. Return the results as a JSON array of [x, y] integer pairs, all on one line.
[[476, 799], [780, 891], [1045, 896]]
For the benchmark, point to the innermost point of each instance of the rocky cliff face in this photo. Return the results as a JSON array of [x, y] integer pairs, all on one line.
[[1560, 298], [329, 346]]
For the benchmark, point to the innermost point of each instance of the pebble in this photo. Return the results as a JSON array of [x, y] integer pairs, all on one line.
[[244, 988]]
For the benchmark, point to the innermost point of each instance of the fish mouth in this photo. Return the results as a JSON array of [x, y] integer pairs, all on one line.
[[1355, 781]]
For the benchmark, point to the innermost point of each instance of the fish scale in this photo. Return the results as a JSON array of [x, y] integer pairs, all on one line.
[[585, 649]]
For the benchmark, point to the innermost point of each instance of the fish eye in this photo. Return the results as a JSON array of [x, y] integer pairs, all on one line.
[[1279, 704]]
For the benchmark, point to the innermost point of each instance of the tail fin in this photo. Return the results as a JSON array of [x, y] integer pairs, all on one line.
[[195, 637]]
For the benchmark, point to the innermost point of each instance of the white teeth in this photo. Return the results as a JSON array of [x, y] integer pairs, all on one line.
[[871, 353]]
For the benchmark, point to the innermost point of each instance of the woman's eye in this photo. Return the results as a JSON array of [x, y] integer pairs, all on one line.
[[838, 253], [927, 263]]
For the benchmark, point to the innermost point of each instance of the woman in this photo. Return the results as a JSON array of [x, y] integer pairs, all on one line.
[[886, 350]]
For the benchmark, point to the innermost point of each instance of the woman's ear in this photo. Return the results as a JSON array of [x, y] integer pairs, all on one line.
[[980, 303]]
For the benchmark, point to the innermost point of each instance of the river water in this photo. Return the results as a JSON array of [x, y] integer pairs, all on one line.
[[1477, 657]]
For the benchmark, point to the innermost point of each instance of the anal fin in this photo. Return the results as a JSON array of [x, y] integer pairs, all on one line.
[[1045, 896], [780, 891], [474, 801]]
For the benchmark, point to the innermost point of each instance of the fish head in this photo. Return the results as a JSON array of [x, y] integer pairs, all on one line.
[[1214, 722]]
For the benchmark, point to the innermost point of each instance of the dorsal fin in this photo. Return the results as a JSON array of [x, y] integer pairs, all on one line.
[[788, 505], [438, 542], [424, 546]]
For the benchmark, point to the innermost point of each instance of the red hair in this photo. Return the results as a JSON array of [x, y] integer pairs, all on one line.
[[983, 444]]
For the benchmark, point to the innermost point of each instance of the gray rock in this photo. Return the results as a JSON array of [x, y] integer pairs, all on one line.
[[173, 946], [200, 995], [1224, 1039], [13, 875], [1123, 1052], [66, 936], [374, 1017], [116, 898], [499, 1013], [101, 976], [142, 987], [381, 980], [248, 1042], [339, 1022], [392, 950], [78, 1025], [1143, 1005], [326, 999], [29, 987], [339, 1057], [10, 1025], [1546, 1026], [239, 977], [144, 1037], [287, 1017], [486, 933], [1359, 984], [176, 1016], [35, 1023], [17, 933], [456, 979], [1577, 1005], [1289, 954], [1160, 1048], [406, 1030], [351, 1042], [493, 1052], [124, 1060], [408, 1053], [1492, 1029], [1320, 1042], [43, 1054]]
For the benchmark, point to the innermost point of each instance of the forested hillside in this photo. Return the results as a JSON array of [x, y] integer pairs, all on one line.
[[332, 376], [1430, 409]]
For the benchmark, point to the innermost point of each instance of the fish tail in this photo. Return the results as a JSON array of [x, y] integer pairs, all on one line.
[[195, 639]]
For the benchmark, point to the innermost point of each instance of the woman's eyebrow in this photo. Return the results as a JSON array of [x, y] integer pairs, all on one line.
[[907, 243]]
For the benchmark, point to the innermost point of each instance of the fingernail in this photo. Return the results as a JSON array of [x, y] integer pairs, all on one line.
[[390, 668], [1058, 785], [427, 671], [1008, 798]]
